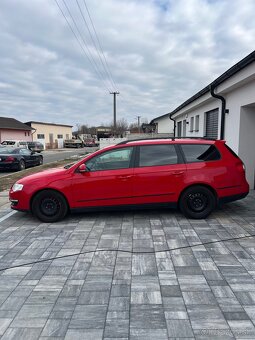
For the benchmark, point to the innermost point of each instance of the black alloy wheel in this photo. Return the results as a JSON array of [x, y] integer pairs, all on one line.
[[49, 206], [197, 202]]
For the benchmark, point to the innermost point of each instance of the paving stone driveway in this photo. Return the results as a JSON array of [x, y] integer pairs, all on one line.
[[205, 288]]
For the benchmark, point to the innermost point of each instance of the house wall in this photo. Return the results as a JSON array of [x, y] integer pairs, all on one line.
[[235, 100], [15, 135], [247, 142], [200, 111], [45, 130], [164, 125]]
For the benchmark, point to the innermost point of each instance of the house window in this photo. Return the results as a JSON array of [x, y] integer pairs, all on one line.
[[40, 136], [67, 136], [191, 124], [197, 123], [184, 128], [179, 129], [212, 122], [60, 136]]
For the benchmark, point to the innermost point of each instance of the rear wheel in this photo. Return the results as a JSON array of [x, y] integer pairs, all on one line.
[[197, 202], [49, 206]]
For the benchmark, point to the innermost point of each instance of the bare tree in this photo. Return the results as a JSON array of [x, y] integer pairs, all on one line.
[[121, 127]]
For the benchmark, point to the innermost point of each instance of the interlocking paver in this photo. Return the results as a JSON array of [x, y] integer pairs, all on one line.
[[201, 291]]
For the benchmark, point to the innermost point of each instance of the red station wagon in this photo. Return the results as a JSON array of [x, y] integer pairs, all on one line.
[[195, 175]]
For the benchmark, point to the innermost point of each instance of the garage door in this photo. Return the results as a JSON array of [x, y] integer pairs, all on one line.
[[212, 119]]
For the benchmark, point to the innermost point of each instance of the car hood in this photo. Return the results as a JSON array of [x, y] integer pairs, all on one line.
[[50, 174]]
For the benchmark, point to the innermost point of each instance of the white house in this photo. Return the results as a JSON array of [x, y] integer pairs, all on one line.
[[163, 124], [224, 109]]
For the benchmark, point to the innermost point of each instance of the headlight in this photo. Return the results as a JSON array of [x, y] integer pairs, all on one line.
[[17, 187]]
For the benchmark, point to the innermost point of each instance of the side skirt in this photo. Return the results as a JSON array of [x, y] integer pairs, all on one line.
[[126, 207]]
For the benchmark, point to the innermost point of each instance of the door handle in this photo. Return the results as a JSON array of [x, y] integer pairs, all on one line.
[[178, 173], [125, 177]]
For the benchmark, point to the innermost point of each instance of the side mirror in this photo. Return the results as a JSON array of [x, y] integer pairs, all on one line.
[[82, 168]]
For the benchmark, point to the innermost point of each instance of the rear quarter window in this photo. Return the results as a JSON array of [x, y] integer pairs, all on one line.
[[200, 153]]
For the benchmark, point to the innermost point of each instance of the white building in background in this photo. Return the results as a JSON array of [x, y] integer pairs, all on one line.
[[163, 124], [224, 109]]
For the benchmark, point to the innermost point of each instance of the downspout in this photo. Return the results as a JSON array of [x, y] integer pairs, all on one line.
[[170, 116], [223, 110]]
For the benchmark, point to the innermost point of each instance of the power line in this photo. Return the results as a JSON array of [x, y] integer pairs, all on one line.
[[85, 44], [80, 44], [94, 43], [99, 44]]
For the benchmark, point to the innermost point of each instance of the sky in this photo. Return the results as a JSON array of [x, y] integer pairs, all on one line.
[[155, 53]]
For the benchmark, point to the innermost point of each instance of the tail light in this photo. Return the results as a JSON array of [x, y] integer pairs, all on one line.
[[9, 159], [240, 166]]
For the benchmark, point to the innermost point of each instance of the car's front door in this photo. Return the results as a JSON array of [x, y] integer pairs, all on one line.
[[107, 181], [159, 174], [28, 157]]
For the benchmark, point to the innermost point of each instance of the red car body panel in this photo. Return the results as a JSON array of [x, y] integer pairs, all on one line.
[[137, 185]]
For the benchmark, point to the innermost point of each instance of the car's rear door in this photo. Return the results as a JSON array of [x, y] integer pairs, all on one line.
[[159, 174], [108, 181]]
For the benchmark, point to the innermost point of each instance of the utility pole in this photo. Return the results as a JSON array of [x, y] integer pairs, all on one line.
[[138, 123], [114, 109]]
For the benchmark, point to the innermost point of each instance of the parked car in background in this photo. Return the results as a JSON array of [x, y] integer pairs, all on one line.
[[35, 146], [89, 142], [73, 143], [13, 143], [18, 158], [195, 175]]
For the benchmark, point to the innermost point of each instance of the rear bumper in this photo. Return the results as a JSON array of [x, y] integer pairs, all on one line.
[[9, 166], [232, 198]]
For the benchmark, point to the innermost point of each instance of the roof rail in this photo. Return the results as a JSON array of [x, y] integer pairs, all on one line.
[[158, 138], [141, 139]]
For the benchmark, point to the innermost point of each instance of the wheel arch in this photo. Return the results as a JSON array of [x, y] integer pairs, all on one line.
[[205, 185], [48, 189]]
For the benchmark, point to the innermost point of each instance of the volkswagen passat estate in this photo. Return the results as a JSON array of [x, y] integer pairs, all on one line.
[[195, 175]]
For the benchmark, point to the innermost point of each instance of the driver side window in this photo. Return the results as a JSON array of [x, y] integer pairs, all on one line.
[[111, 160]]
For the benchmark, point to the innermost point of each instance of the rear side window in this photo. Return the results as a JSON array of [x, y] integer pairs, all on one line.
[[153, 155], [200, 153]]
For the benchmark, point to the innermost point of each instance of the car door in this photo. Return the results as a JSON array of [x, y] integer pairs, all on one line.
[[26, 155], [159, 174], [107, 181]]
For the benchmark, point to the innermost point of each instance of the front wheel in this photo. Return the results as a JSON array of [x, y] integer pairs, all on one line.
[[21, 165], [40, 161], [49, 206], [197, 202]]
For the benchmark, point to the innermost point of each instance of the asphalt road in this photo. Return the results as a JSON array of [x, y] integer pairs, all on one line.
[[50, 156]]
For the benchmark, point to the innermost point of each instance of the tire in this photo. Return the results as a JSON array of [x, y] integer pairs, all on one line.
[[22, 165], [197, 202], [49, 206], [40, 162]]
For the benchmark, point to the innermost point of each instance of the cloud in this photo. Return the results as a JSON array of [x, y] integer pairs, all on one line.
[[159, 52]]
